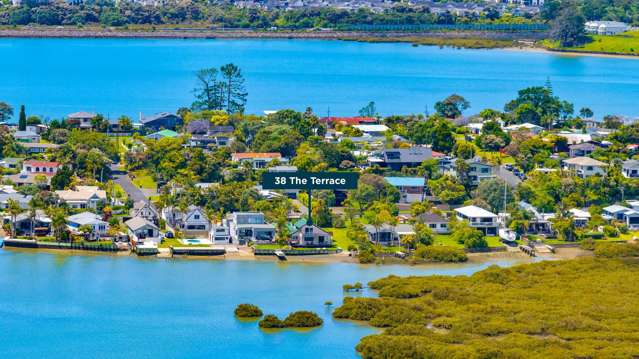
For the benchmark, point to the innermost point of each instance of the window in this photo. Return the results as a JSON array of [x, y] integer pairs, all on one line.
[[589, 168], [320, 239], [197, 216], [432, 225], [393, 155], [485, 170]]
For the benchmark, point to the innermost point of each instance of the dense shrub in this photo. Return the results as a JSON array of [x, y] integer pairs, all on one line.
[[366, 256], [616, 250], [593, 235], [353, 287], [440, 254], [541, 310], [303, 319], [248, 311], [610, 232], [271, 321], [587, 244]]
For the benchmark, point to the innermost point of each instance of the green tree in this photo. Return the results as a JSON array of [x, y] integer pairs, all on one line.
[[6, 112], [125, 123], [14, 210], [568, 26], [452, 106], [370, 110], [470, 237], [209, 93], [491, 192], [22, 119], [233, 88]]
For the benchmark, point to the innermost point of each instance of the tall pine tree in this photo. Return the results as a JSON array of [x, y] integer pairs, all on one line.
[[22, 121]]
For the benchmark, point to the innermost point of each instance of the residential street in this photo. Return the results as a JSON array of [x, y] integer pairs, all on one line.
[[121, 178]]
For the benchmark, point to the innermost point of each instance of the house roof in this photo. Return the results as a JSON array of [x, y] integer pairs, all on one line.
[[164, 133], [251, 155], [431, 218], [158, 116], [136, 223], [37, 163], [527, 126], [631, 164], [85, 218], [24, 134], [348, 120], [39, 145], [415, 154], [585, 161], [583, 145], [406, 181], [82, 114], [474, 211], [579, 213], [372, 128], [615, 208], [19, 197], [81, 193]]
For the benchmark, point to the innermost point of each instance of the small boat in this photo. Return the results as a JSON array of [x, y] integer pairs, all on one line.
[[280, 255], [507, 235]]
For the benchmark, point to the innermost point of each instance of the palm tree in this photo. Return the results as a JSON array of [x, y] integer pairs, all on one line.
[[58, 221], [33, 207], [14, 210]]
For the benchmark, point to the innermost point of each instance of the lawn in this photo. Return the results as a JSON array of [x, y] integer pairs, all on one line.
[[626, 44], [340, 239], [447, 240], [143, 179]]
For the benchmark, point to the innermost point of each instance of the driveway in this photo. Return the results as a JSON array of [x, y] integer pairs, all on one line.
[[510, 178], [123, 179]]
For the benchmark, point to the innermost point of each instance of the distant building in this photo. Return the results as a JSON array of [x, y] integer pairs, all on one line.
[[478, 170], [163, 120], [435, 222], [580, 217], [530, 127], [163, 134], [630, 168], [582, 149], [81, 119], [37, 147], [83, 197], [40, 167], [397, 158], [372, 130], [349, 121], [26, 136], [411, 189], [585, 166], [257, 159], [606, 27]]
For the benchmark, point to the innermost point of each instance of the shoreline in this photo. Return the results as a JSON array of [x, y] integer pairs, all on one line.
[[474, 40], [341, 258]]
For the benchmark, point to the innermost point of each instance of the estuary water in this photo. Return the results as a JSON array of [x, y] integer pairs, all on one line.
[[55, 305], [54, 77]]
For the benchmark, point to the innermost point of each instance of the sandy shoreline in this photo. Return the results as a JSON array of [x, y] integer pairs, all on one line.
[[570, 53]]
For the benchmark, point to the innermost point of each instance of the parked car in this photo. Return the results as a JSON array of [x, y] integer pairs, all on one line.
[[168, 234]]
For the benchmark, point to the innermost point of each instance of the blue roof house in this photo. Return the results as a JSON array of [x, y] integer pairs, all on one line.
[[412, 189]]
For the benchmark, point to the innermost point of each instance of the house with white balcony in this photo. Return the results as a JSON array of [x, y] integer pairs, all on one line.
[[585, 166], [247, 227], [257, 159], [479, 218], [99, 227], [192, 221]]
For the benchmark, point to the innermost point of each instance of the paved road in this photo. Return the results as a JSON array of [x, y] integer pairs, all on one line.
[[508, 177], [131, 190]]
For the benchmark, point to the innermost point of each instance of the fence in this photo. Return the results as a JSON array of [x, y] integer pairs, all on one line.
[[294, 252], [30, 243]]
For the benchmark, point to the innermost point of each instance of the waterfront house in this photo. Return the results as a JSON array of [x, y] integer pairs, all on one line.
[[310, 236], [82, 197], [411, 189], [37, 147], [23, 222], [629, 216], [630, 168], [256, 159], [540, 223], [40, 167], [606, 27], [158, 121], [478, 170], [585, 166], [26, 136], [193, 221], [388, 235], [163, 134], [582, 149], [397, 158], [81, 119], [141, 231], [580, 217], [220, 234], [437, 223], [99, 227], [248, 227], [22, 200], [478, 218], [145, 210]]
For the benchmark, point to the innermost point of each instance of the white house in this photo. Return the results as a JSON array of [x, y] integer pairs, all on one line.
[[192, 222], [623, 214], [630, 168], [388, 235], [585, 166], [141, 231], [580, 217], [26, 136], [248, 227], [257, 159], [478, 170], [606, 27], [372, 130], [310, 236], [81, 119], [435, 222], [530, 127], [99, 226], [82, 197], [478, 218], [220, 234], [145, 210]]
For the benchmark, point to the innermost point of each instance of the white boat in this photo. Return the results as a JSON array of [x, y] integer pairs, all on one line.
[[507, 235], [280, 255]]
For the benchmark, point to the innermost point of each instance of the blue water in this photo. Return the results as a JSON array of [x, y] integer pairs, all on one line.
[[54, 77], [98, 306]]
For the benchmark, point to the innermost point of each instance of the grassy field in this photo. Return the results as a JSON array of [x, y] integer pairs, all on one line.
[[143, 179], [623, 44], [339, 238], [447, 240]]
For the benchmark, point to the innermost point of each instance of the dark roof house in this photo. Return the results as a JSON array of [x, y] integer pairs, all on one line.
[[162, 120]]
